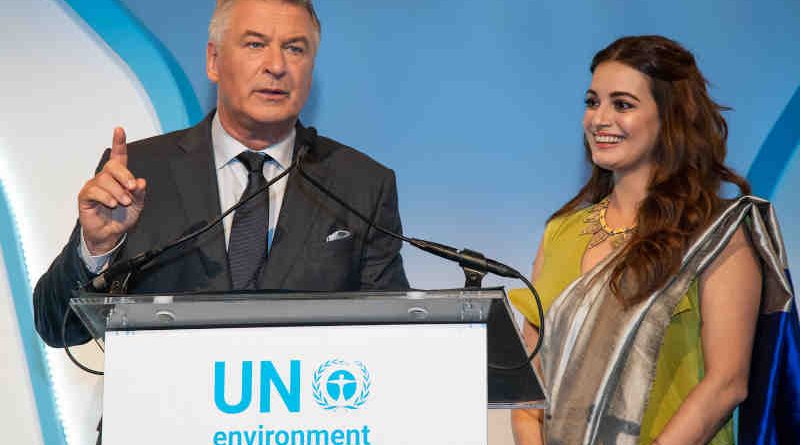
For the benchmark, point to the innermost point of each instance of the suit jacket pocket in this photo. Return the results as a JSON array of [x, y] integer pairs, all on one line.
[[330, 249]]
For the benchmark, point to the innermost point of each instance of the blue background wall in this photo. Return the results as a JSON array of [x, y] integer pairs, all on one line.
[[477, 105]]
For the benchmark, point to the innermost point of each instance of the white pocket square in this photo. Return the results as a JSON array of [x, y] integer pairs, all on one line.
[[337, 235]]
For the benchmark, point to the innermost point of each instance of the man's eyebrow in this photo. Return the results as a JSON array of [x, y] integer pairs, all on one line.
[[624, 93], [297, 39], [251, 33]]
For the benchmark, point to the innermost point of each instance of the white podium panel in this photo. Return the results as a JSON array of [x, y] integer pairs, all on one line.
[[317, 385]]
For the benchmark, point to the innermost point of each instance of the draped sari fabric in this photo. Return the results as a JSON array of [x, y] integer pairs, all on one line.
[[599, 360], [771, 413]]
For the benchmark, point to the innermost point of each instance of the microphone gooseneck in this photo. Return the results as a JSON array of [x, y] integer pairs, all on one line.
[[464, 257], [135, 263]]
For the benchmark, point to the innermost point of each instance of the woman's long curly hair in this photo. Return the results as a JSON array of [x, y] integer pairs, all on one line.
[[683, 194]]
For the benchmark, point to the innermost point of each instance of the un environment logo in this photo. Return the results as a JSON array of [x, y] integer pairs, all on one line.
[[339, 384]]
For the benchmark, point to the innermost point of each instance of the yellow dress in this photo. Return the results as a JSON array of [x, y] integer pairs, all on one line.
[[680, 360]]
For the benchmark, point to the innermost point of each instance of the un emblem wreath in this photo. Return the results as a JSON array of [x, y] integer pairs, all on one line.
[[348, 374]]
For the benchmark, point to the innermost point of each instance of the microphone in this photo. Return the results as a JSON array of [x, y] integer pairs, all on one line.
[[133, 264], [464, 257]]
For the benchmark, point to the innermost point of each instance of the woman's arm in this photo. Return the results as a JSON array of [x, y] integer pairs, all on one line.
[[526, 424], [730, 295]]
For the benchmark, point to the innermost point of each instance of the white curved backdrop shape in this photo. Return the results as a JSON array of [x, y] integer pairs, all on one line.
[[63, 92]]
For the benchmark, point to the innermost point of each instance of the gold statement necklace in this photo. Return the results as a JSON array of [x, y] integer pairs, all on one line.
[[598, 228]]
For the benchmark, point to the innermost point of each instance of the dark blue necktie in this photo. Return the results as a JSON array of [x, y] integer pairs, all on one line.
[[247, 247]]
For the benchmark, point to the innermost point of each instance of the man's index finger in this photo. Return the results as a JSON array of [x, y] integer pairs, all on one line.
[[119, 148]]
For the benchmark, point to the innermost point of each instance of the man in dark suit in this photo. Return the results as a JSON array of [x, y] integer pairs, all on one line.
[[261, 54]]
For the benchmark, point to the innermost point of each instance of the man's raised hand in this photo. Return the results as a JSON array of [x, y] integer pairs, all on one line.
[[110, 203]]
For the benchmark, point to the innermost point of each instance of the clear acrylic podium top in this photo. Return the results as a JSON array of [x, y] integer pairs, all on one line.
[[507, 388]]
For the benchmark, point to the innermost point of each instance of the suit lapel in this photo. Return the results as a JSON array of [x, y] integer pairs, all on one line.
[[196, 181], [299, 211]]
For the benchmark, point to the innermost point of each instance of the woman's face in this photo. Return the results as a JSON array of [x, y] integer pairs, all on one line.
[[621, 122]]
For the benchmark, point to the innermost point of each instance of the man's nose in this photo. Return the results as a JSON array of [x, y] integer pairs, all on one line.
[[275, 62]]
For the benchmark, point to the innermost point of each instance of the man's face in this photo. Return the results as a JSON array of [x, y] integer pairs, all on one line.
[[263, 65]]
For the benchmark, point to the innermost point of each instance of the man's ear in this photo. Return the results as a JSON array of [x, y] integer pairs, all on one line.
[[212, 55]]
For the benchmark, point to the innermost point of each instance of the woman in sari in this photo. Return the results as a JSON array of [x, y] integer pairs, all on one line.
[[652, 281]]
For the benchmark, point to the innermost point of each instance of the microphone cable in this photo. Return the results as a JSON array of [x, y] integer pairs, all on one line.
[[452, 254], [66, 346], [135, 263]]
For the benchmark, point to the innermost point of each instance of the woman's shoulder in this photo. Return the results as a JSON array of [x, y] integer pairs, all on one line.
[[740, 239], [570, 223]]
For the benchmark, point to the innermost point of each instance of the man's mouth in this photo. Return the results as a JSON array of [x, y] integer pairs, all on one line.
[[272, 93]]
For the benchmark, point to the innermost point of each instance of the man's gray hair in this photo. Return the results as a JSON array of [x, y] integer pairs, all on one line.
[[219, 20]]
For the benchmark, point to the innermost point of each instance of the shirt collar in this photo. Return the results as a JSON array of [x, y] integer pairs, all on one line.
[[226, 148]]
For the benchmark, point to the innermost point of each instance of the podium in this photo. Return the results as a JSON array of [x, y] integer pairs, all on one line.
[[307, 368]]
